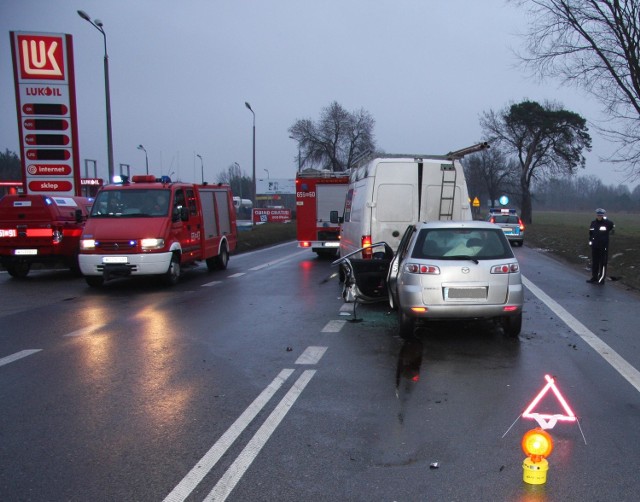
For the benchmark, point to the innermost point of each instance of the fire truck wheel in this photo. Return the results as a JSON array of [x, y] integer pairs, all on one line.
[[219, 262], [172, 275], [18, 269], [95, 281]]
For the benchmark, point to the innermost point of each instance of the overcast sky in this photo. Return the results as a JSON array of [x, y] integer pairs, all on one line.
[[181, 71]]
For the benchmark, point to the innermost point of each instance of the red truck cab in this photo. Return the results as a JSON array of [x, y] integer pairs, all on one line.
[[41, 229]]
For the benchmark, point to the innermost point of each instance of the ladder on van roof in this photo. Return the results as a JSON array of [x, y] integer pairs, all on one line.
[[447, 191]]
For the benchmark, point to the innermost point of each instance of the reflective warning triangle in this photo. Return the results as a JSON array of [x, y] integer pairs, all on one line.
[[545, 420]]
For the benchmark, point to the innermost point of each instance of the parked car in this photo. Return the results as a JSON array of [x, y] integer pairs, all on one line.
[[510, 222], [446, 270]]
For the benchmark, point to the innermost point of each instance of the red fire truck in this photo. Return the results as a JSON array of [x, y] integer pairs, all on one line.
[[317, 194], [40, 229], [156, 227]]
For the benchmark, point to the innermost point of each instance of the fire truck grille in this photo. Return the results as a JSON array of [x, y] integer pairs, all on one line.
[[117, 246]]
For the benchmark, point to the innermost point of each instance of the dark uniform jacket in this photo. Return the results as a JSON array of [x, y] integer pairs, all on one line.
[[599, 233]]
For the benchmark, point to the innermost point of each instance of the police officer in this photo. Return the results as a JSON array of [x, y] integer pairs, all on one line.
[[599, 232]]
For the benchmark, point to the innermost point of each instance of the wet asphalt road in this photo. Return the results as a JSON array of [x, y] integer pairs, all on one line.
[[249, 384]]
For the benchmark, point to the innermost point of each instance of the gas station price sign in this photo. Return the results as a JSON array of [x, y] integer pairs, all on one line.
[[46, 110]]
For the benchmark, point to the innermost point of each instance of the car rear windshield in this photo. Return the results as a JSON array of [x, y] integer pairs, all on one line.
[[502, 218], [461, 243]]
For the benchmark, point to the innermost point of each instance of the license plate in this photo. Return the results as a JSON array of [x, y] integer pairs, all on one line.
[[25, 252], [114, 259]]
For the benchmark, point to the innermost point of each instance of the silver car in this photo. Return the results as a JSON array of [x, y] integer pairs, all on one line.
[[447, 270]]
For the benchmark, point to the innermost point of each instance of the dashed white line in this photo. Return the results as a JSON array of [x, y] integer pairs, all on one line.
[[625, 369], [235, 472], [206, 463], [17, 355], [275, 262], [86, 330], [239, 274], [212, 283], [334, 326], [311, 355]]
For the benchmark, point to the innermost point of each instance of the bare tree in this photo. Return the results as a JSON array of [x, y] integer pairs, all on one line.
[[490, 172], [593, 44], [543, 139], [336, 140]]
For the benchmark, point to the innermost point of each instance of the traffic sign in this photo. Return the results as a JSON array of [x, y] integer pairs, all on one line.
[[547, 420]]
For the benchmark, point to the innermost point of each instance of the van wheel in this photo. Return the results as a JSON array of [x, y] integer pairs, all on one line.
[[172, 275], [219, 262], [18, 269], [95, 281], [407, 324], [512, 325]]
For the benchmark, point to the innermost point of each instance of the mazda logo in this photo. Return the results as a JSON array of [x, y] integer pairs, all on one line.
[[465, 270]]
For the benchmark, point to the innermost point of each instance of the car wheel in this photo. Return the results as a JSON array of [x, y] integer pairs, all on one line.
[[512, 325], [19, 269], [407, 324], [95, 281], [172, 275]]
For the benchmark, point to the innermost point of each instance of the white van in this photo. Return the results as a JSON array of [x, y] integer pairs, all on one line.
[[390, 192]]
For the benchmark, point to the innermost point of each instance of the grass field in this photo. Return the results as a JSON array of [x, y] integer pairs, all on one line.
[[566, 235]]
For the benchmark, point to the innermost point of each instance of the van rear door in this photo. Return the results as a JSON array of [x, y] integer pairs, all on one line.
[[395, 199]]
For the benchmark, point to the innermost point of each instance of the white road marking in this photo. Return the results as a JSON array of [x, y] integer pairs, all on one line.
[[334, 326], [206, 463], [17, 355], [347, 309], [235, 472], [86, 330], [236, 275], [311, 355], [275, 262], [625, 369], [212, 283]]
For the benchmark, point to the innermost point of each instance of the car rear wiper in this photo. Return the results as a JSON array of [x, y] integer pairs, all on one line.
[[462, 257]]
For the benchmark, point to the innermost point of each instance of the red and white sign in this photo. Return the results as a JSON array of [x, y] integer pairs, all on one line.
[[46, 108], [49, 169], [271, 215], [41, 56], [50, 186]]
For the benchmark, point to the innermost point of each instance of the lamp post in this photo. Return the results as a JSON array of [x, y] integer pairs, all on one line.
[[146, 157], [254, 155], [267, 171], [97, 24], [201, 166], [240, 179]]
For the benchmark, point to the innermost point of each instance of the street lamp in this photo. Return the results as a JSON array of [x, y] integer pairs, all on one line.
[[267, 171], [254, 154], [97, 24], [240, 178], [201, 166], [146, 157]]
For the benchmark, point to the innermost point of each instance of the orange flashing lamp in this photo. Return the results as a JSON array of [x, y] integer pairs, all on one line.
[[537, 444]]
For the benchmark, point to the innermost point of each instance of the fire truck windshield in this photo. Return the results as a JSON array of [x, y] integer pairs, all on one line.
[[136, 203]]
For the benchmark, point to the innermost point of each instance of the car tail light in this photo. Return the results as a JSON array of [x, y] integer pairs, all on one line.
[[506, 268], [521, 224], [419, 310], [418, 268], [492, 220], [510, 308], [367, 253], [305, 244]]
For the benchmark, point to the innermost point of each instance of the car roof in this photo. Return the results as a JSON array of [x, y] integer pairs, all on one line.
[[473, 224]]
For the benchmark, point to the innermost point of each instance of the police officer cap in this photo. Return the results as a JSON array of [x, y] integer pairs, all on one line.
[[601, 211]]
